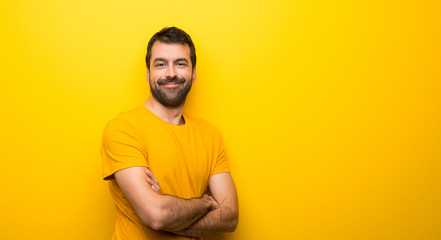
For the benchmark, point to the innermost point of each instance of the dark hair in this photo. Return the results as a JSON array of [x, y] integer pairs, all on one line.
[[171, 35]]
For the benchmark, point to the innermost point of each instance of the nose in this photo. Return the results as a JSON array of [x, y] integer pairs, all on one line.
[[170, 72]]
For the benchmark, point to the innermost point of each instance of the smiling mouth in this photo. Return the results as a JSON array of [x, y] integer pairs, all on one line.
[[171, 85]]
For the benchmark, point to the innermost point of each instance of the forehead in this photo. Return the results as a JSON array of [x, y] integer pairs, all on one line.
[[170, 51]]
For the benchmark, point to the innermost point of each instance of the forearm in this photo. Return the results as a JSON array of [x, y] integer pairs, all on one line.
[[178, 213], [214, 222], [157, 211]]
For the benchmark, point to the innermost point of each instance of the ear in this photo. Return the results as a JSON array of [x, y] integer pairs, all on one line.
[[194, 74], [148, 76]]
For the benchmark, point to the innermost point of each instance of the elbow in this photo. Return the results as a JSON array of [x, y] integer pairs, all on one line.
[[156, 224], [155, 220], [230, 218], [233, 225]]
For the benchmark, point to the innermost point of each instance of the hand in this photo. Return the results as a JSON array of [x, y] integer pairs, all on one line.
[[151, 179], [213, 203]]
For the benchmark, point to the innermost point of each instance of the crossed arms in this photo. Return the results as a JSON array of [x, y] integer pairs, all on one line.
[[207, 215]]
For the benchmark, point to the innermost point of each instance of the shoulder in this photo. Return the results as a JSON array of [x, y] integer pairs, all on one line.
[[203, 125], [132, 115], [127, 120], [199, 122]]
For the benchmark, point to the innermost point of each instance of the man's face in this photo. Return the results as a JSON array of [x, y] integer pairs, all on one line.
[[171, 73]]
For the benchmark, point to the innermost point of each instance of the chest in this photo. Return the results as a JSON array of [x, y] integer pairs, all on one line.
[[182, 161]]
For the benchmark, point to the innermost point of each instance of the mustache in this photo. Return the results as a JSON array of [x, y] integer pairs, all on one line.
[[171, 80]]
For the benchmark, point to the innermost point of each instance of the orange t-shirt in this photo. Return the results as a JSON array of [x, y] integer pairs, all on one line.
[[183, 158]]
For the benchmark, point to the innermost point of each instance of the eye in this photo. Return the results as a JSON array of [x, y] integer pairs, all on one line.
[[159, 64], [183, 64]]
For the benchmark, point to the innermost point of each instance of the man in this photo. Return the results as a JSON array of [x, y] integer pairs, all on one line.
[[167, 170]]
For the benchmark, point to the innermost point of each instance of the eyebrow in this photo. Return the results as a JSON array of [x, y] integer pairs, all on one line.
[[165, 60], [181, 60], [159, 60]]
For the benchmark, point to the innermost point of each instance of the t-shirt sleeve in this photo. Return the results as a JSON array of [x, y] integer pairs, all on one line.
[[122, 147], [221, 164]]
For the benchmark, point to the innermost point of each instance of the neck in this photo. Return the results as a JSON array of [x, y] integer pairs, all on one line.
[[170, 115]]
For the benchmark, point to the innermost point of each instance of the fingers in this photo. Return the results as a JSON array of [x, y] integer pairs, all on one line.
[[151, 179], [214, 203], [154, 186], [156, 189], [151, 176]]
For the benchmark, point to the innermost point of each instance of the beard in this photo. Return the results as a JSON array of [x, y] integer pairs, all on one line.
[[173, 97]]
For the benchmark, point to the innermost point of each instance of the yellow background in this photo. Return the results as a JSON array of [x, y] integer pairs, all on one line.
[[330, 110]]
